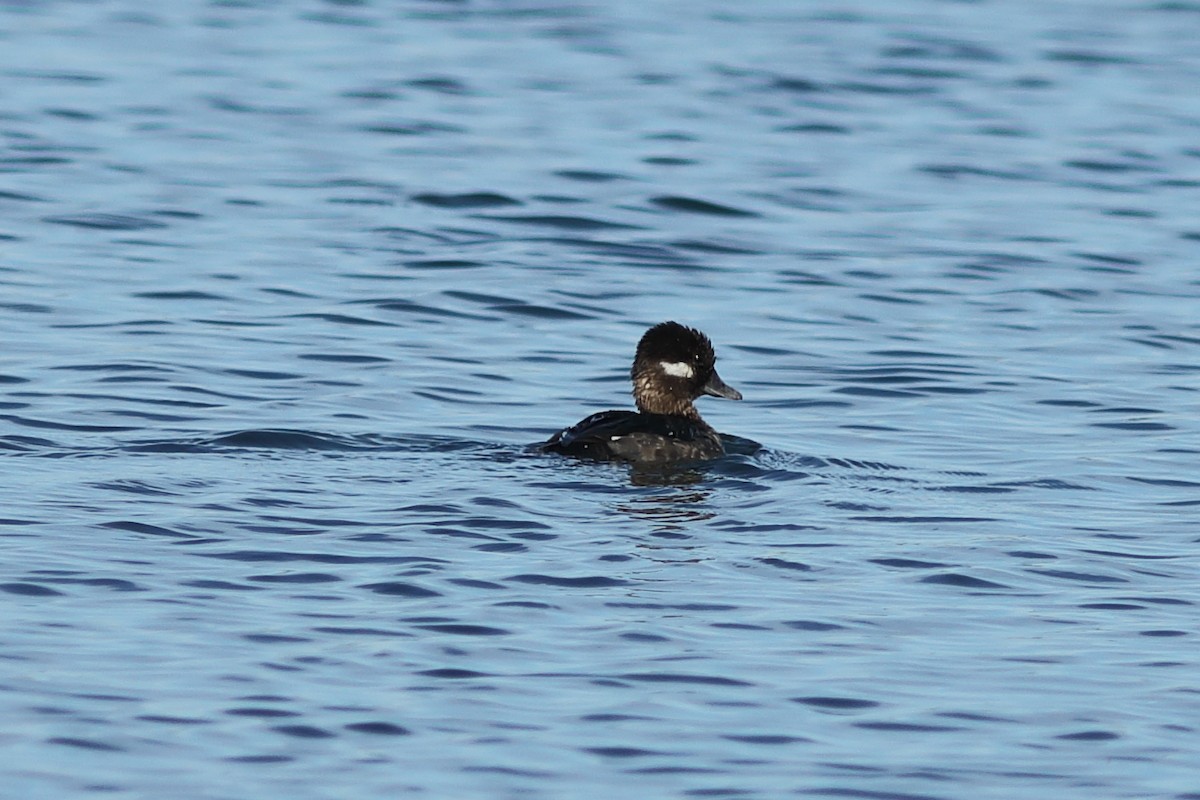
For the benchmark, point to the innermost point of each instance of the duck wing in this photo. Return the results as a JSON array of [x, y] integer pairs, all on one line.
[[591, 436], [619, 434]]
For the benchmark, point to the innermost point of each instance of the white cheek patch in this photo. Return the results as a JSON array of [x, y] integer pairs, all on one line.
[[677, 369]]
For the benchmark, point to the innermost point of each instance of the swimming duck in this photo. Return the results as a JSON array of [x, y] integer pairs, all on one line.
[[674, 365]]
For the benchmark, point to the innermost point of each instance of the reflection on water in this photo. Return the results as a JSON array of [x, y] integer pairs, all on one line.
[[673, 511]]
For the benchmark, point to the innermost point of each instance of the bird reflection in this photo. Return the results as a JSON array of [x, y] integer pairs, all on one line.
[[670, 511]]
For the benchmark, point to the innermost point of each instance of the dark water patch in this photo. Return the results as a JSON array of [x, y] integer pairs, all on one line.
[[343, 358], [955, 171], [266, 439], [259, 712], [263, 375], [627, 253], [1134, 426], [378, 728], [19, 163], [908, 563], [868, 794], [836, 703], [367, 632], [890, 298], [144, 528], [221, 586], [1032, 554], [922, 520], [1124, 555], [785, 564], [562, 222], [29, 422], [413, 128], [177, 213], [673, 677], [96, 396], [275, 638], [900, 87], [466, 200], [767, 739], [693, 205], [172, 720], [438, 236], [1162, 601], [1095, 165], [26, 444], [715, 247], [106, 222], [794, 84], [584, 582], [1047, 483], [617, 751], [1069, 403], [815, 127], [440, 84], [284, 557], [868, 391], [1089, 58], [85, 744], [339, 319], [461, 629], [1090, 736], [400, 589], [303, 731], [701, 607], [973, 489], [973, 717], [303, 578], [410, 307], [116, 584], [942, 49], [907, 727], [443, 264], [812, 625], [1176, 482], [179, 295], [1081, 577], [590, 176], [20, 197], [669, 161], [542, 311], [452, 673], [962, 581], [29, 589]]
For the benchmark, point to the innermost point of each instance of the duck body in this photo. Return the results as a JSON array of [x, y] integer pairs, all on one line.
[[673, 366], [632, 436]]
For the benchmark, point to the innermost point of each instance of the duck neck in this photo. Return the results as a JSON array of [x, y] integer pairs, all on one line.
[[667, 406]]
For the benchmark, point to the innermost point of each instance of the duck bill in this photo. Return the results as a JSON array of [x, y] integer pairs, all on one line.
[[715, 387]]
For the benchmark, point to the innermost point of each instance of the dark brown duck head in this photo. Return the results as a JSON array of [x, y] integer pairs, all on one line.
[[674, 365]]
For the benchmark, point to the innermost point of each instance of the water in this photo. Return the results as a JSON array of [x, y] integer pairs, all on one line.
[[287, 288]]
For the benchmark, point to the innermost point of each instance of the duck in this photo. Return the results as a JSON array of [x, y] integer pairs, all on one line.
[[672, 367]]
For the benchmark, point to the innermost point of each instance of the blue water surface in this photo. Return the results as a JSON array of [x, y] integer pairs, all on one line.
[[287, 290]]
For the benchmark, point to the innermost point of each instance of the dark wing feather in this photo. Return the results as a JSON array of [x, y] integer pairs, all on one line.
[[590, 437], [622, 435]]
